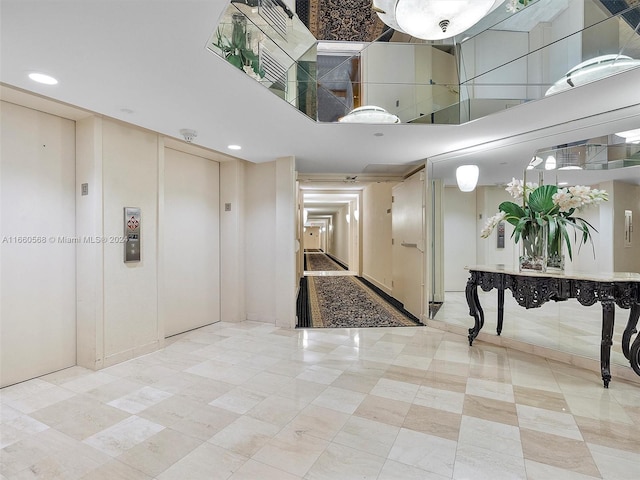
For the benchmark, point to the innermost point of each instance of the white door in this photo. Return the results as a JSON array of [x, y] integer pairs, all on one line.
[[191, 251], [37, 249], [407, 223]]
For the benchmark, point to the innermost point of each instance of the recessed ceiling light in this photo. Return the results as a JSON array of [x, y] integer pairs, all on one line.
[[234, 147], [378, 134], [560, 184], [42, 78]]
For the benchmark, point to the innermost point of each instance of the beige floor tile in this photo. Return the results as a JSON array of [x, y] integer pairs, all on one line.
[[115, 470], [547, 421], [609, 434], [159, 452], [320, 422], [292, 451], [490, 409], [355, 382], [614, 464], [540, 398], [435, 422], [253, 470], [384, 410], [245, 436], [367, 435], [345, 463], [400, 373], [427, 452], [339, 399], [560, 452], [542, 471], [123, 435], [486, 464], [205, 422], [206, 462], [505, 439], [445, 381], [442, 399], [393, 470]]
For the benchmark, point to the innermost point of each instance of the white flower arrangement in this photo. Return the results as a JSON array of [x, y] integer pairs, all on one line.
[[547, 206]]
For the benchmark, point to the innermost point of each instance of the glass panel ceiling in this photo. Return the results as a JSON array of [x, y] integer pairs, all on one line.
[[506, 59]]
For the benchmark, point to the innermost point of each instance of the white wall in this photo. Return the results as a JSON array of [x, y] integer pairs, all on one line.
[[232, 239], [376, 235], [190, 242], [130, 172], [260, 232], [37, 268], [312, 237], [488, 199], [340, 239], [460, 237], [269, 223]]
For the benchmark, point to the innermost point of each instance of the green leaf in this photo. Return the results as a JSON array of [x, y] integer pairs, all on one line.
[[514, 212], [235, 60], [541, 199]]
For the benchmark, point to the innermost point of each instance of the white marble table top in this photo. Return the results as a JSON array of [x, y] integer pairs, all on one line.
[[593, 276]]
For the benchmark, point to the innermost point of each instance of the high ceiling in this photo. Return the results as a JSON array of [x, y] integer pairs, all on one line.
[[145, 63]]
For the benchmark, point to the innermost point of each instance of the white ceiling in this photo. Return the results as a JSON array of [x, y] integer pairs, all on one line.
[[149, 58]]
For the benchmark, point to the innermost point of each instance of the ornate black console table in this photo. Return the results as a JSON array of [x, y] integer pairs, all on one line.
[[531, 290]]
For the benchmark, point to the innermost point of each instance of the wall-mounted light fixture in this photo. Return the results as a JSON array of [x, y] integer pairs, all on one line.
[[467, 177]]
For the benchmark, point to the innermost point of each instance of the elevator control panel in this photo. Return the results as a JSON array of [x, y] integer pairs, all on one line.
[[132, 228], [500, 235]]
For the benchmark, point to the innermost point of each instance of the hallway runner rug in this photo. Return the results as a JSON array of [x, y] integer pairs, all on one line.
[[345, 302], [319, 262]]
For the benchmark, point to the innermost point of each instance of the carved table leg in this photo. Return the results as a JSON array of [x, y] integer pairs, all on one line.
[[634, 355], [631, 328], [475, 310], [500, 309], [608, 319]]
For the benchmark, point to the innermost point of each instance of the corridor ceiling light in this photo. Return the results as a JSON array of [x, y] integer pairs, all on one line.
[[571, 167], [305, 215], [631, 136], [234, 147], [593, 69], [433, 19], [42, 78], [550, 163], [369, 114], [467, 177]]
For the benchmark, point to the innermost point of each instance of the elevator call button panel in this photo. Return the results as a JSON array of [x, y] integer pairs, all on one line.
[[132, 228]]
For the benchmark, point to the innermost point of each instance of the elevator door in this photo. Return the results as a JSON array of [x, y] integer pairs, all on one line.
[[191, 250], [37, 244]]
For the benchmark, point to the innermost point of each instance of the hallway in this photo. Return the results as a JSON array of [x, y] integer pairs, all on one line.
[[334, 297], [249, 400]]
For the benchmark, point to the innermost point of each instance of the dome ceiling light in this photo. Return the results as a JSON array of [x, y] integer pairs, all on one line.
[[593, 69], [433, 19], [369, 114]]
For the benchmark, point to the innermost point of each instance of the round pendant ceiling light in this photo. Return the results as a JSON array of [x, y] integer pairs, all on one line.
[[433, 19], [369, 114]]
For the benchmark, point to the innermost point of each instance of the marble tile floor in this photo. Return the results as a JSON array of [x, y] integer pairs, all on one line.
[[249, 401]]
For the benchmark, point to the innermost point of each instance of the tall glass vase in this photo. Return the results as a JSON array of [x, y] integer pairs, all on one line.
[[555, 254], [533, 251]]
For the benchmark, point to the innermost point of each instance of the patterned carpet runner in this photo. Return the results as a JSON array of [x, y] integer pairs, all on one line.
[[345, 302], [320, 263]]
